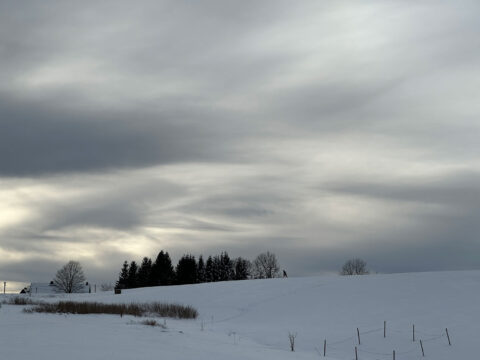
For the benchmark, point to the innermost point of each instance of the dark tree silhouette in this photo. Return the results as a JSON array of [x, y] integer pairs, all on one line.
[[70, 277], [265, 266], [186, 270], [144, 272], [162, 270], [242, 268], [122, 282], [200, 270], [209, 270], [226, 271], [354, 267], [132, 281]]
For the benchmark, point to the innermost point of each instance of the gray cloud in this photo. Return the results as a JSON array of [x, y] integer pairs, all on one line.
[[458, 190], [319, 131], [38, 141]]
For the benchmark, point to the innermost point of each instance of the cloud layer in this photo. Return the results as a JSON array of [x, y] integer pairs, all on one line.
[[318, 131]]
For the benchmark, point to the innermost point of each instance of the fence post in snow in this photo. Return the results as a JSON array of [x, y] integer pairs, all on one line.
[[448, 337], [421, 345], [356, 353], [324, 347], [384, 329], [358, 335], [413, 332], [393, 354]]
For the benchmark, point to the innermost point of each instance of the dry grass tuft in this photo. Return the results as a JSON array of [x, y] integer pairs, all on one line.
[[156, 309], [151, 322], [19, 300]]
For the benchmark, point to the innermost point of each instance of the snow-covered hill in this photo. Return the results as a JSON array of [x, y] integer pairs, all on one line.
[[252, 320]]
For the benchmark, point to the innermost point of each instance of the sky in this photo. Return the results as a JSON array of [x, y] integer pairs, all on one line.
[[316, 130]]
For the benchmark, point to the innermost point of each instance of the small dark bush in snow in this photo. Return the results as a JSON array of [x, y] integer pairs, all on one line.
[[354, 267]]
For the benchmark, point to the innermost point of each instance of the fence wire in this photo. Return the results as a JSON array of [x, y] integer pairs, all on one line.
[[340, 348]]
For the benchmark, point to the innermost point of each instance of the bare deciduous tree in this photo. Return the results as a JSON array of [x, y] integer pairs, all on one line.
[[354, 267], [107, 287], [291, 338], [265, 266], [70, 277]]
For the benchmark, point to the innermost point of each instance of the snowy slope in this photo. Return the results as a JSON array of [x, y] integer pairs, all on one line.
[[252, 320]]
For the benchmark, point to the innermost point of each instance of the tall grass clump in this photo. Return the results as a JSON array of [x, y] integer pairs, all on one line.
[[156, 309], [17, 300]]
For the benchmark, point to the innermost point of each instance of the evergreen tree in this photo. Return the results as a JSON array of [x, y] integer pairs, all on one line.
[[226, 271], [209, 270], [200, 270], [132, 281], [144, 272], [162, 270], [216, 268], [186, 271], [242, 269], [123, 277]]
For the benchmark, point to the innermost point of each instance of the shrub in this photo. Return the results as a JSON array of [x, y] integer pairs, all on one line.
[[157, 309], [106, 287], [150, 322], [18, 300], [354, 267]]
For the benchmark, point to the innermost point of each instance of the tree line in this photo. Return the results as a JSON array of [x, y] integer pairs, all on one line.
[[189, 270]]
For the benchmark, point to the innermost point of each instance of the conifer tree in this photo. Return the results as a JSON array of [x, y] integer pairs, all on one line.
[[226, 267], [186, 271], [144, 272], [209, 270], [200, 270], [217, 264], [162, 270], [123, 277], [242, 269], [132, 276]]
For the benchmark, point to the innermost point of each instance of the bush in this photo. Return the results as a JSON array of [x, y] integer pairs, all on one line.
[[157, 309], [18, 300], [106, 287], [152, 322], [354, 267], [149, 322]]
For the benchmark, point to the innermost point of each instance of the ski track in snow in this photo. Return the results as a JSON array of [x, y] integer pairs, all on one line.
[[252, 319]]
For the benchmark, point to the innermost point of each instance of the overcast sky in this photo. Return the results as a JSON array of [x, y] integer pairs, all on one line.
[[317, 130]]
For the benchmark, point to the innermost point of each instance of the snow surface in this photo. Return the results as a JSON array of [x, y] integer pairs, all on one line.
[[252, 319]]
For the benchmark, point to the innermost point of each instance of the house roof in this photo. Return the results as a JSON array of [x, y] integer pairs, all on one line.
[[51, 288]]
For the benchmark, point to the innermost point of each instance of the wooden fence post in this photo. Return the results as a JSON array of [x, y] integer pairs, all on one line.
[[384, 329], [421, 345], [324, 347], [356, 353], [393, 354], [358, 335], [413, 332], [448, 337]]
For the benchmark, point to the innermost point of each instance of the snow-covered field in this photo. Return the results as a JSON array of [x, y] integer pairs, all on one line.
[[252, 320]]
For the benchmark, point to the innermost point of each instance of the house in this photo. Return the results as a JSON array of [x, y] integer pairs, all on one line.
[[51, 288]]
